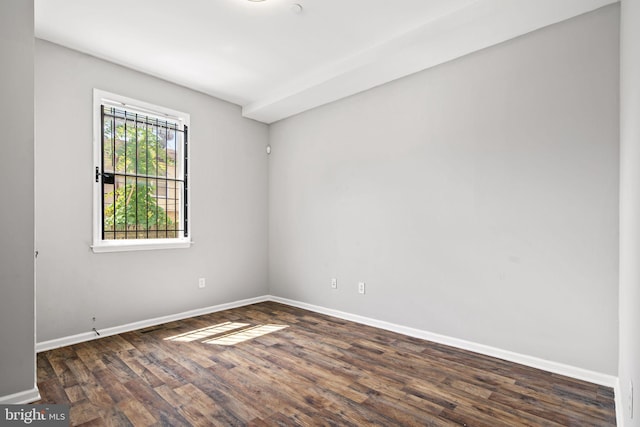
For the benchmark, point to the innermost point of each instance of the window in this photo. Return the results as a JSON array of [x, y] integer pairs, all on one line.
[[141, 179]]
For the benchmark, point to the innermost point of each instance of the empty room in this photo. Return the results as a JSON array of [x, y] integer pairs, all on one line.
[[320, 212]]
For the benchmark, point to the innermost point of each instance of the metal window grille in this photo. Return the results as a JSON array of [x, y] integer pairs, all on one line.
[[144, 176]]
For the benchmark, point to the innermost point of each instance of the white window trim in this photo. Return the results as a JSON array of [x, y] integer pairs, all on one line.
[[101, 97]]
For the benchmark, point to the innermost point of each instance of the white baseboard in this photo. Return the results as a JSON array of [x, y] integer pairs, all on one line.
[[21, 397], [88, 336], [617, 391], [523, 359]]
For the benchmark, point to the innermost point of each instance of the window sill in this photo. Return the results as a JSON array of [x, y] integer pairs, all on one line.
[[146, 245]]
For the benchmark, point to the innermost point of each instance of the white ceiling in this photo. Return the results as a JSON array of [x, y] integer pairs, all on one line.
[[276, 62]]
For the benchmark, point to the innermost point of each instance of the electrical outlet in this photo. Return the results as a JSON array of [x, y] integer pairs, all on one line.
[[334, 283], [202, 283], [361, 287]]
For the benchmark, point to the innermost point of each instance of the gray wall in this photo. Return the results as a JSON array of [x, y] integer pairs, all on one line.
[[228, 195], [477, 199], [629, 368], [17, 371]]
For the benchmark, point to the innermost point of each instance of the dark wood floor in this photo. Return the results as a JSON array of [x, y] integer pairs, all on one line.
[[270, 364]]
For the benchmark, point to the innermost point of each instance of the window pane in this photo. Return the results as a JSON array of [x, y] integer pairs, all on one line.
[[131, 146], [108, 144], [119, 145], [142, 177], [143, 149], [109, 224]]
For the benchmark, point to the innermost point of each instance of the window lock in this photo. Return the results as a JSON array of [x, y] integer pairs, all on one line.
[[108, 178]]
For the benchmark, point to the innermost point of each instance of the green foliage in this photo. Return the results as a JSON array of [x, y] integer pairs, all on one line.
[[135, 205], [136, 150], [147, 157]]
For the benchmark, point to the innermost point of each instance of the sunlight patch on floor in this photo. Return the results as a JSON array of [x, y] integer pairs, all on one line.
[[209, 331], [245, 334]]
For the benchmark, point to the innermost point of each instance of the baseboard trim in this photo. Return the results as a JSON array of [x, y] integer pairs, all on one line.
[[22, 397], [88, 336], [617, 391], [534, 362]]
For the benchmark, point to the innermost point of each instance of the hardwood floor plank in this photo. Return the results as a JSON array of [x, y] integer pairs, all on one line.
[[90, 356], [52, 391], [302, 370], [185, 407], [75, 393], [136, 413], [155, 404], [111, 417], [310, 370], [57, 361], [235, 406], [470, 405], [83, 412], [44, 369], [253, 391], [540, 409], [112, 385], [95, 393], [403, 412]]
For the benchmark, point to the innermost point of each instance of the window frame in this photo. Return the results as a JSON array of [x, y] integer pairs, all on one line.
[[101, 97]]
